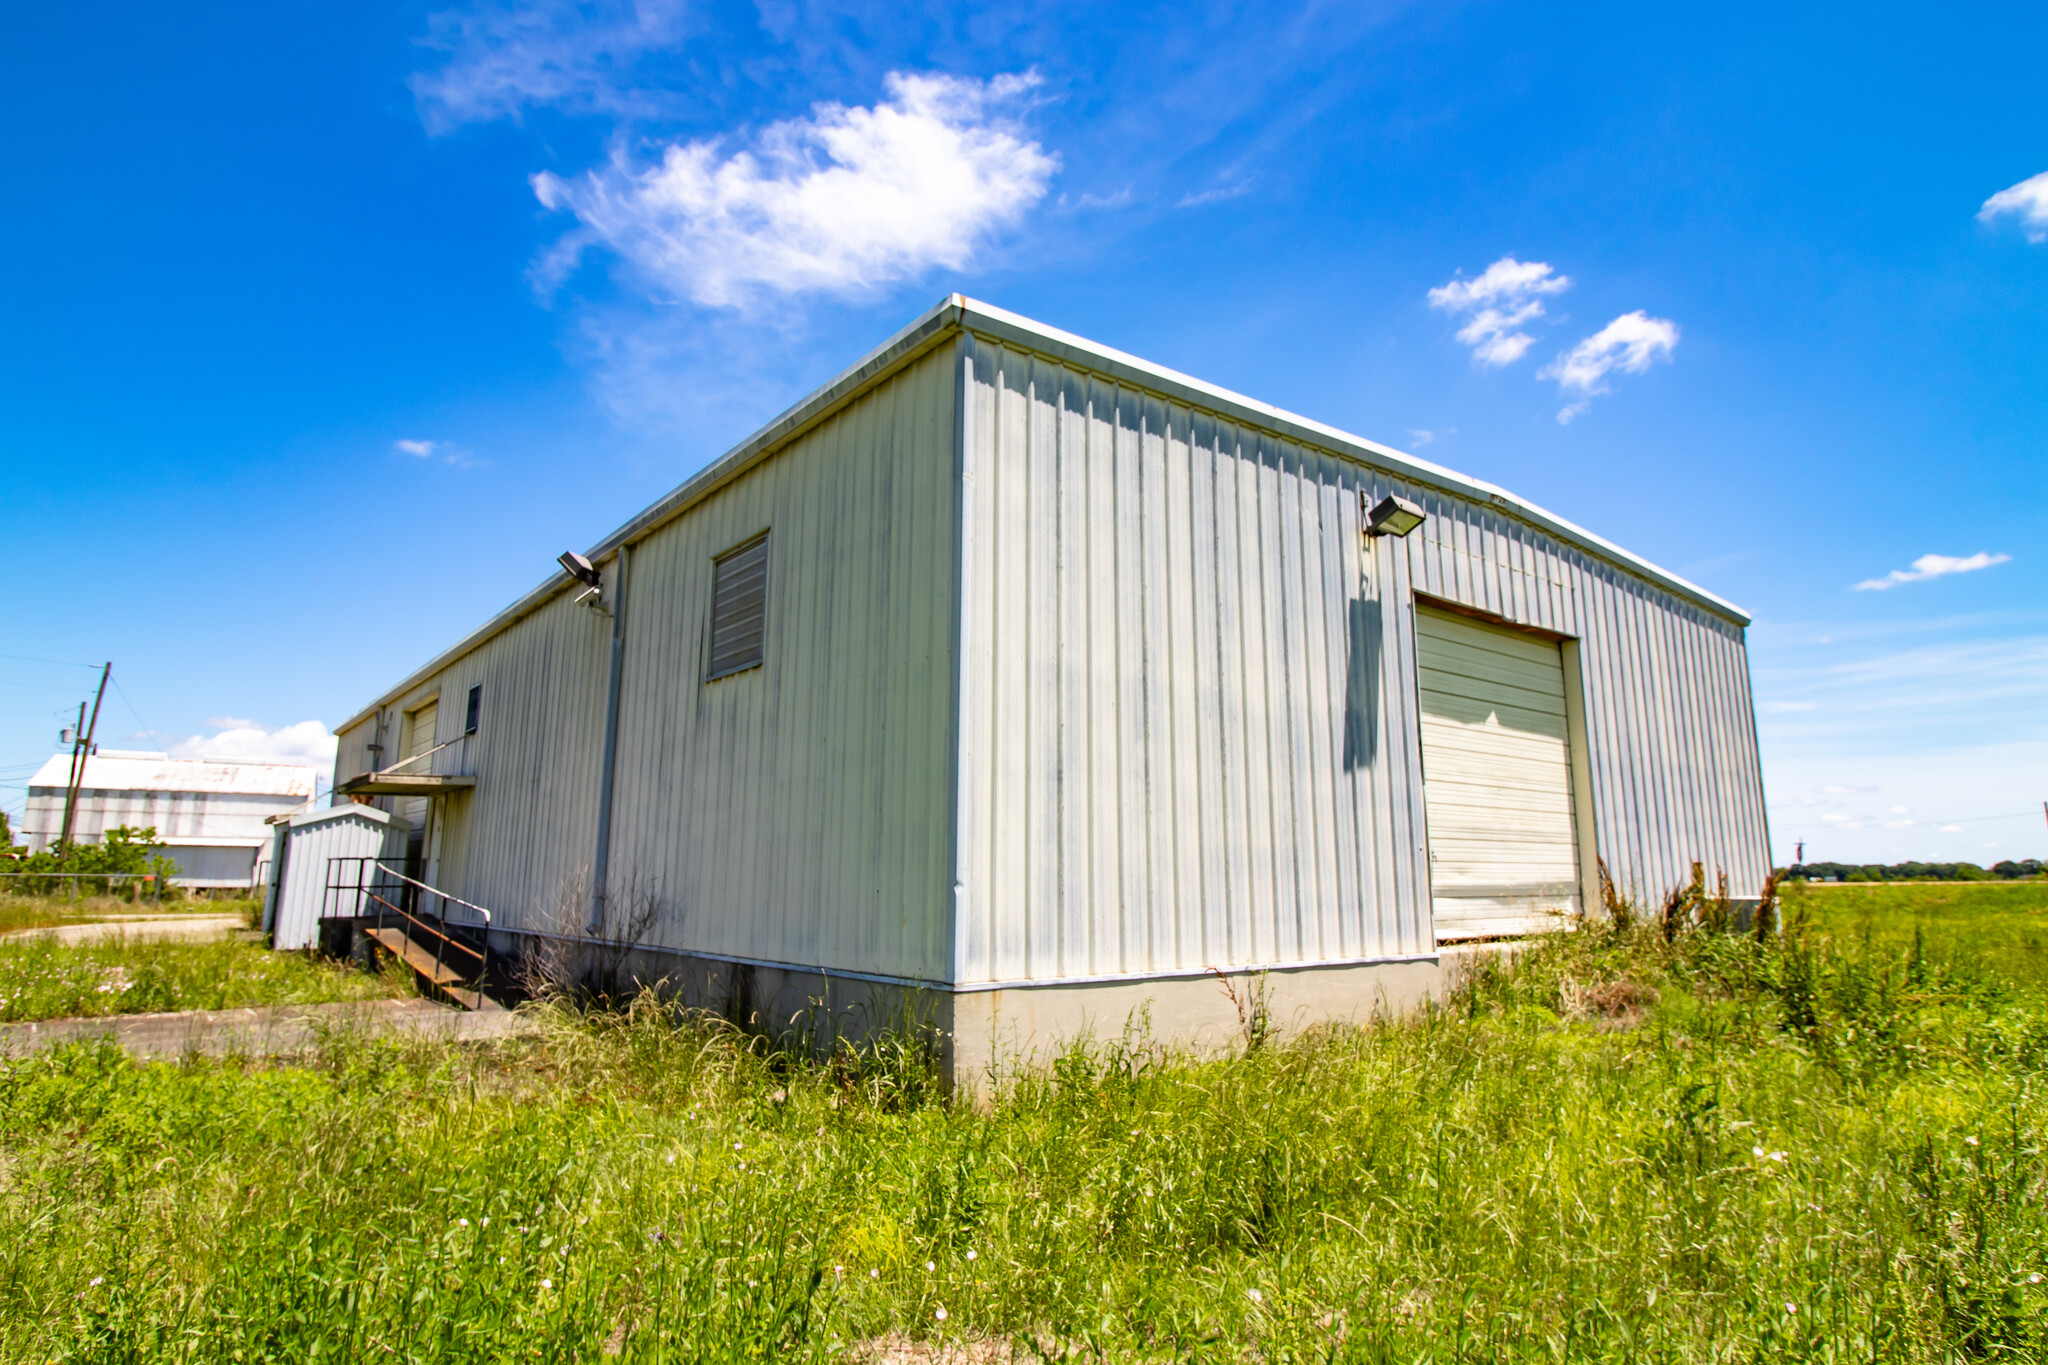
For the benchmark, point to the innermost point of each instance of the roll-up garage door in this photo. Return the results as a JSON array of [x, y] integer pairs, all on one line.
[[1496, 767]]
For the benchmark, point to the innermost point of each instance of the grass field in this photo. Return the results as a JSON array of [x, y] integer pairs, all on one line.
[[1826, 1148], [1996, 927], [43, 979], [19, 912]]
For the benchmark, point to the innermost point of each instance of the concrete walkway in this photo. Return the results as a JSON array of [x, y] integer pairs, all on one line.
[[270, 1032], [135, 928]]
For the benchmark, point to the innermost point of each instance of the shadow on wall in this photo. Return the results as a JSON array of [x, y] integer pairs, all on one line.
[[1362, 686]]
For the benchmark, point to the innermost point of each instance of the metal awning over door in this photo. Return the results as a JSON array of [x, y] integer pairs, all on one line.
[[1497, 786]]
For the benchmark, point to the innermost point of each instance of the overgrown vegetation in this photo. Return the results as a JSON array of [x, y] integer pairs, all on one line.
[[1823, 1145], [44, 979], [123, 854]]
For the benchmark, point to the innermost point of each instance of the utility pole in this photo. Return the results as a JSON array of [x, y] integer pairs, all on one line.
[[75, 736], [81, 753], [1800, 856]]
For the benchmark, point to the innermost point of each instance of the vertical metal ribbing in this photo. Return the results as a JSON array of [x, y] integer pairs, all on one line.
[[601, 859]]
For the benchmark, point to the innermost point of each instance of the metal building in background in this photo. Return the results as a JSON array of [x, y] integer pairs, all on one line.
[[209, 813], [1023, 672]]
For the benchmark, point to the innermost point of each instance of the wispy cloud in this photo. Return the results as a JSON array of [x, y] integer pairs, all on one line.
[[2026, 201], [1933, 566], [1505, 297], [578, 55], [1218, 195], [1631, 343], [461, 457], [840, 202]]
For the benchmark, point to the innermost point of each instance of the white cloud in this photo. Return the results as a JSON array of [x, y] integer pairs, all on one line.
[[1505, 296], [1631, 343], [1951, 829], [249, 742], [2026, 201], [844, 200], [578, 55], [1933, 566], [462, 457], [1419, 437]]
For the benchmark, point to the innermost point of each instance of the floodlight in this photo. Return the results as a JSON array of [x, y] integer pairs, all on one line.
[[1393, 516], [579, 568]]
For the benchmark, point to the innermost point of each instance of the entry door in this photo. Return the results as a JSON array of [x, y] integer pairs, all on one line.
[[417, 811], [1497, 783]]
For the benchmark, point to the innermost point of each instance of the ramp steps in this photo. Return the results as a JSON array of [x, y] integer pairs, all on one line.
[[440, 974]]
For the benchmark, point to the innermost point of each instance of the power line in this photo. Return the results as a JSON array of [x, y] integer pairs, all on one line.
[[139, 721], [32, 659]]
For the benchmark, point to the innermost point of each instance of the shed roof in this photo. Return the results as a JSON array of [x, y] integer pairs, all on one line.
[[156, 773], [958, 313]]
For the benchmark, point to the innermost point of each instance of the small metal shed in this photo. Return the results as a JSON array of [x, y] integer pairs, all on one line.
[[299, 858]]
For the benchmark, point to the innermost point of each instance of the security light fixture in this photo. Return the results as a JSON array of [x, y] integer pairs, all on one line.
[[1393, 516], [580, 569]]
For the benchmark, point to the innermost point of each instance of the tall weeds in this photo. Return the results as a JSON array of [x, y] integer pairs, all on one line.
[[1628, 1146]]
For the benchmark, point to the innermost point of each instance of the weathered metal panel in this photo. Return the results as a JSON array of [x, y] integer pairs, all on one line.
[[1189, 719], [795, 813]]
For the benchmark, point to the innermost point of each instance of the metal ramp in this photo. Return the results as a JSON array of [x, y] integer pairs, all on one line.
[[446, 946]]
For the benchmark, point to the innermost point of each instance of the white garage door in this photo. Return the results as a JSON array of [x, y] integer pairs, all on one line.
[[1496, 766]]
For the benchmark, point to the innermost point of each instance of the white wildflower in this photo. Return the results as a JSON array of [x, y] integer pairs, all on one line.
[[462, 1222], [1256, 1296], [547, 1284], [940, 1314], [931, 1266], [874, 1274], [1759, 1152], [970, 1253], [1791, 1307], [95, 1281], [1972, 1140]]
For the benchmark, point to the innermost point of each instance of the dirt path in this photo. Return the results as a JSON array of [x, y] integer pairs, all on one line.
[[183, 927], [269, 1032]]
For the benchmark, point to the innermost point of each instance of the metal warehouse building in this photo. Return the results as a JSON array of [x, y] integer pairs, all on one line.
[[1053, 682], [210, 813]]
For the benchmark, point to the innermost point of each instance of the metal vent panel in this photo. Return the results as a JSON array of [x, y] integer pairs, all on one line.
[[739, 609]]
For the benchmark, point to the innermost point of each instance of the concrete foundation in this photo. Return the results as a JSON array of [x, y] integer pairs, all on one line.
[[984, 1036]]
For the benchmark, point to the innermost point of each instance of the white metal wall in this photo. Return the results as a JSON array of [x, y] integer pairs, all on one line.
[[1187, 710], [794, 813]]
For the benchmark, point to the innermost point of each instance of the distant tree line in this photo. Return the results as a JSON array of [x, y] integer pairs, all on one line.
[[1913, 872]]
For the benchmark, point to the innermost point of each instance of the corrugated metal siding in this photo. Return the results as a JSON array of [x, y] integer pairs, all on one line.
[[1187, 707], [793, 813]]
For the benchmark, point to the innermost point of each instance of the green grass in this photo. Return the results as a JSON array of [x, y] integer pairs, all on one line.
[[1995, 927], [44, 979], [1823, 1149], [41, 912]]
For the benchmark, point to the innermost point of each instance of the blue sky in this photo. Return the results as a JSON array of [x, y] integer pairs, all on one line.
[[328, 328]]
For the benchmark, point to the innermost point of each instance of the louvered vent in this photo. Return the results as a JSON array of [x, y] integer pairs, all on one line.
[[739, 602]]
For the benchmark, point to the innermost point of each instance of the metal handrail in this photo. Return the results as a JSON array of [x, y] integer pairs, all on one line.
[[434, 890], [375, 889], [426, 928], [429, 753]]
